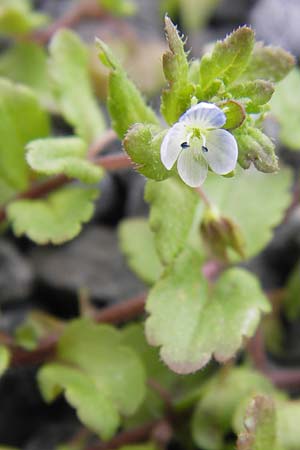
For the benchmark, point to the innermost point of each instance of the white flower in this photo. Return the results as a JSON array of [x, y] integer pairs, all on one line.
[[196, 142]]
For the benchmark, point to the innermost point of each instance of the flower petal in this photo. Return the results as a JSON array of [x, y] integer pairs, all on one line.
[[171, 145], [192, 171], [204, 115], [222, 151]]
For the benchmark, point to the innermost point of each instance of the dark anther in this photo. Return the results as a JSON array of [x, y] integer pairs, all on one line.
[[205, 149], [184, 145]]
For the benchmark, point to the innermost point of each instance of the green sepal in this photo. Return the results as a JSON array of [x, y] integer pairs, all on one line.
[[176, 98], [142, 143], [234, 112], [125, 103]]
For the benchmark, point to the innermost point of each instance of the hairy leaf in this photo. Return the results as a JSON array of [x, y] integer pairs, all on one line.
[[256, 211], [268, 63], [142, 143], [72, 85], [137, 243], [4, 359], [228, 59], [18, 103], [100, 376], [257, 148], [253, 94], [184, 310], [56, 219], [220, 398], [63, 155], [173, 206], [125, 103], [260, 424], [286, 108], [176, 99]]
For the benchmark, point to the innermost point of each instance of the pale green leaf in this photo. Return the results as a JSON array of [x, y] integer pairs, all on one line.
[[173, 206], [22, 119], [255, 147], [193, 322], [56, 219], [137, 244], [176, 98], [101, 377], [72, 85], [228, 59], [143, 143], [220, 397], [125, 103], [268, 63], [17, 17], [26, 62], [63, 155], [285, 105], [260, 425], [4, 359], [256, 202], [253, 94]]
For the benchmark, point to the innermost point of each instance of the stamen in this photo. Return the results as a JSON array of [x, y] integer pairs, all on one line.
[[205, 149], [184, 145]]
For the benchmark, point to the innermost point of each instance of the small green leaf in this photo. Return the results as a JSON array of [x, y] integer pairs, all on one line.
[[142, 143], [257, 148], [286, 108], [26, 63], [176, 99], [100, 383], [260, 424], [119, 7], [4, 359], [220, 398], [184, 310], [17, 17], [125, 103], [253, 94], [137, 244], [256, 211], [228, 59], [234, 112], [56, 219], [173, 206], [72, 85], [18, 102], [269, 63], [63, 155]]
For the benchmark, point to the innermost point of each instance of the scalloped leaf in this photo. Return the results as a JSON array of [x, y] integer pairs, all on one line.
[[260, 425], [228, 59], [176, 99], [143, 143], [286, 109], [4, 359], [268, 63], [255, 211], [56, 219], [253, 94], [184, 310], [63, 155], [17, 17], [125, 103], [137, 244], [69, 63], [16, 103], [173, 207], [100, 376]]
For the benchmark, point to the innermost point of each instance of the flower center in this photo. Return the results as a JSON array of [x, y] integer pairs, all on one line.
[[195, 134]]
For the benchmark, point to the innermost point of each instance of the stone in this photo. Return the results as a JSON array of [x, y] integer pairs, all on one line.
[[16, 274], [92, 261]]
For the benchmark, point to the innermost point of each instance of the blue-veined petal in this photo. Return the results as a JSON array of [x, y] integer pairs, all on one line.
[[171, 145], [222, 151], [193, 171], [204, 116]]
